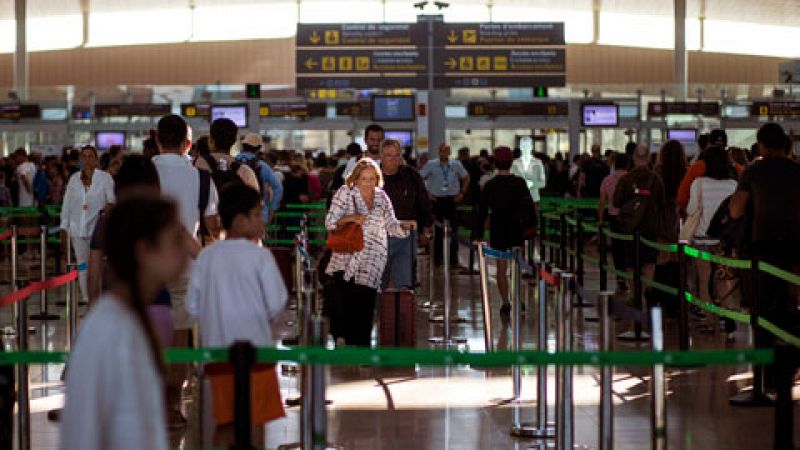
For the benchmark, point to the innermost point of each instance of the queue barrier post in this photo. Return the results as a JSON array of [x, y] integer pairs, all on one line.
[[562, 258], [606, 430], [683, 319], [542, 232], [71, 315], [786, 358], [603, 256], [571, 233], [579, 269], [10, 331], [565, 415], [429, 304], [447, 339], [314, 415], [23, 393], [638, 334], [658, 391], [43, 313], [242, 356], [756, 396], [516, 322], [487, 311]]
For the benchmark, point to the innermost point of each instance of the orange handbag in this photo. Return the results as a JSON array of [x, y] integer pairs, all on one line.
[[347, 239]]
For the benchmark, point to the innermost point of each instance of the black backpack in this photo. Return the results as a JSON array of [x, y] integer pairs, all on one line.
[[252, 163], [633, 210], [223, 178]]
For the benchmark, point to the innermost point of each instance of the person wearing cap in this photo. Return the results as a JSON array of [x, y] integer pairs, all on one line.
[[271, 186], [512, 210]]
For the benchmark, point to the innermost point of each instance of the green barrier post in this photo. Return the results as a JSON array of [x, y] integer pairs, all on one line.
[[242, 357], [562, 259], [683, 320], [786, 358], [756, 396]]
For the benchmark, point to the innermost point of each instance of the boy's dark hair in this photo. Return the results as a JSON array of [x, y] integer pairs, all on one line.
[[503, 165], [223, 131], [719, 137], [771, 136], [172, 131], [237, 198], [621, 161], [703, 140], [717, 164], [136, 170]]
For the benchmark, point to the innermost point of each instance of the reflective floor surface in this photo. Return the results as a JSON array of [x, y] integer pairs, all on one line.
[[467, 408]]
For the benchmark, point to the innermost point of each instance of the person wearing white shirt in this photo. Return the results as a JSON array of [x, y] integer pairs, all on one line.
[[26, 171], [235, 291], [114, 385], [530, 169], [88, 192], [185, 184]]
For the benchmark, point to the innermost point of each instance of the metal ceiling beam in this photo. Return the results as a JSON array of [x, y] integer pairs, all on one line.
[[85, 9], [596, 7], [21, 49], [680, 55]]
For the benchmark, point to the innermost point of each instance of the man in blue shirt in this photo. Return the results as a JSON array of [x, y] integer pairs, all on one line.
[[271, 185], [447, 182]]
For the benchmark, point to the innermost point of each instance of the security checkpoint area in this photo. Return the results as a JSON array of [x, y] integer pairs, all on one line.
[[387, 224]]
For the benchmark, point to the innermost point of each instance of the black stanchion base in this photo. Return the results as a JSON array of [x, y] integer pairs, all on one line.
[[591, 319], [531, 430], [469, 272], [44, 316], [751, 399], [291, 341], [63, 304], [630, 336], [291, 402]]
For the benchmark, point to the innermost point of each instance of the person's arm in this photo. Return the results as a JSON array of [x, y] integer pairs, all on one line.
[[94, 275], [26, 183], [695, 171], [694, 201], [211, 217], [539, 177], [272, 286], [581, 184], [395, 228], [275, 184], [463, 176], [424, 210], [194, 290], [108, 191], [66, 207], [337, 216], [740, 199]]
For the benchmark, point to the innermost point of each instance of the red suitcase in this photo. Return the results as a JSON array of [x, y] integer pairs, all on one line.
[[398, 318]]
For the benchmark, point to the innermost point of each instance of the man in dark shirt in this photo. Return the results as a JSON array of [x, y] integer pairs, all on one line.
[[593, 172], [768, 196], [409, 197]]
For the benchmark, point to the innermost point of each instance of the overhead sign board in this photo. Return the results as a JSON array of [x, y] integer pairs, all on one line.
[[356, 68], [354, 109], [342, 56], [503, 34], [661, 109], [300, 109], [518, 109], [361, 34], [765, 109], [132, 109], [202, 110]]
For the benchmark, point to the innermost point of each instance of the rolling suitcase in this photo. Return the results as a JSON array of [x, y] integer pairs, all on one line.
[[397, 318]]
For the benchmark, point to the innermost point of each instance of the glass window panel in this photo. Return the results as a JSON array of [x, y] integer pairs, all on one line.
[[55, 32], [750, 38], [8, 37], [577, 24], [348, 11], [139, 27], [240, 21]]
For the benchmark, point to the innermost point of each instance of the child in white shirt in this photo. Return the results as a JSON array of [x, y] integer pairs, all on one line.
[[235, 291]]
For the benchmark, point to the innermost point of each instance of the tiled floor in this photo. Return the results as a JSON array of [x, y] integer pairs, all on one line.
[[459, 408]]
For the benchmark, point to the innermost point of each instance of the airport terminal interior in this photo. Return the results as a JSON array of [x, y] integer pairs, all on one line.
[[584, 231]]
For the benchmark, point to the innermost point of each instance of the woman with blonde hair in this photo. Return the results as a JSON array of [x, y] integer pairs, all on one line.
[[358, 275]]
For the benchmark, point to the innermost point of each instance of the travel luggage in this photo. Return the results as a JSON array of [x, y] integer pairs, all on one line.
[[285, 261], [398, 309]]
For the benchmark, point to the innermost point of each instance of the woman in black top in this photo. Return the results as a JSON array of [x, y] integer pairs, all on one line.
[[509, 200]]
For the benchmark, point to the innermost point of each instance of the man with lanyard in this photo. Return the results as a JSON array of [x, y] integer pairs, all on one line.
[[271, 186], [447, 182]]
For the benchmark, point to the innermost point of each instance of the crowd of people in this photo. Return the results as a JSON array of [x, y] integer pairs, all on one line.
[[172, 238]]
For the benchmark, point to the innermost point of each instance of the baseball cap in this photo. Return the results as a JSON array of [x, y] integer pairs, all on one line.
[[253, 140]]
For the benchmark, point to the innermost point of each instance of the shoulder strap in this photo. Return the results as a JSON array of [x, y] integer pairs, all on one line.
[[205, 190], [211, 161]]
